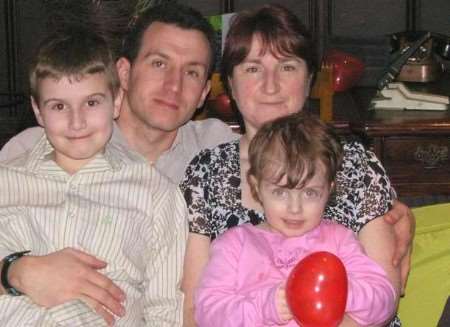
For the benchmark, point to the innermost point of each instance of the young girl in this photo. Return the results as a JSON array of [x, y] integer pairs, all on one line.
[[293, 163]]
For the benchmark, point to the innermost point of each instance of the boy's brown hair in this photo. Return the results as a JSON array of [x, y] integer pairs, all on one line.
[[291, 147], [72, 52]]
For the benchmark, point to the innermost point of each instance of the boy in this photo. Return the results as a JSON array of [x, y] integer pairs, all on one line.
[[76, 188]]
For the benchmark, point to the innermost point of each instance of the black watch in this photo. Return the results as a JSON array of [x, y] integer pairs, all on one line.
[[7, 261]]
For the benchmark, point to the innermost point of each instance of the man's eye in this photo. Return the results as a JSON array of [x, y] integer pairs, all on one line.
[[158, 63], [193, 73]]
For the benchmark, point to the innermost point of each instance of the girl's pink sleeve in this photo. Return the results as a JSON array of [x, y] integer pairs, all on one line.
[[217, 301], [371, 296]]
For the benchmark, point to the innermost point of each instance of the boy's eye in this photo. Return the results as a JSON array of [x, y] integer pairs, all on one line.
[[58, 106], [93, 103]]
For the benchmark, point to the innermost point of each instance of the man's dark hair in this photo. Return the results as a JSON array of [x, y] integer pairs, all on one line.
[[169, 13]]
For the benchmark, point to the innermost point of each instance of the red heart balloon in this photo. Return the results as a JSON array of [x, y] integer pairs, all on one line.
[[316, 290], [347, 69]]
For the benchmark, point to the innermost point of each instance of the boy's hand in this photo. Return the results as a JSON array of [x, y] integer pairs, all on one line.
[[66, 275], [404, 223], [284, 312]]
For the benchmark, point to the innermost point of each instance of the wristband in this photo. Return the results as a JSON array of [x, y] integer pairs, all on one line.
[[7, 261]]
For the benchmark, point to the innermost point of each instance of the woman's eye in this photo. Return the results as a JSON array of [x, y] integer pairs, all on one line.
[[251, 69], [289, 68]]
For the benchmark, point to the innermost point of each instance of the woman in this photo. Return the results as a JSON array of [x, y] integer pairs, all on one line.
[[267, 65]]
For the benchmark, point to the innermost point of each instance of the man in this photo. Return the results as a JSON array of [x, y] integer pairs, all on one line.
[[164, 72]]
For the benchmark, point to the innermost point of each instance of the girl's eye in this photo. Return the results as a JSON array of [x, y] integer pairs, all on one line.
[[279, 192], [311, 193]]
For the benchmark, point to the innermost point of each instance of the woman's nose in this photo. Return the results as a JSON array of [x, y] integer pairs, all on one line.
[[271, 82]]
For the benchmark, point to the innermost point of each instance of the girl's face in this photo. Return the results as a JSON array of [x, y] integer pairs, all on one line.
[[267, 86], [294, 212]]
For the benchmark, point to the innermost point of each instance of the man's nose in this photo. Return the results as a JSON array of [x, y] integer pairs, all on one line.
[[173, 80]]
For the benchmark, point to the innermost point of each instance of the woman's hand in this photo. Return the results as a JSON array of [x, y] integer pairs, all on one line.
[[284, 312], [404, 224], [66, 275]]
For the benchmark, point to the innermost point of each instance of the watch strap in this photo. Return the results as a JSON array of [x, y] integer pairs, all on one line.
[[7, 261]]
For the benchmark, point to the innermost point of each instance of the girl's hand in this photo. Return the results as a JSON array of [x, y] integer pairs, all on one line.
[[284, 312]]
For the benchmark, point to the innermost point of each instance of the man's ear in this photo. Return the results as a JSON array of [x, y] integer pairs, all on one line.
[[37, 112], [123, 67], [205, 93], [117, 103]]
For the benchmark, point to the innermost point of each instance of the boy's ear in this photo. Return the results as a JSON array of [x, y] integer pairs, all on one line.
[[118, 103], [123, 67], [37, 112]]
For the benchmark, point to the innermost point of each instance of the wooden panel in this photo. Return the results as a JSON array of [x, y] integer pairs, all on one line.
[[365, 19], [418, 165], [434, 16]]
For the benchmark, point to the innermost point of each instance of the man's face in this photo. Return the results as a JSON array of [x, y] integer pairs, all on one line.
[[77, 115], [168, 79]]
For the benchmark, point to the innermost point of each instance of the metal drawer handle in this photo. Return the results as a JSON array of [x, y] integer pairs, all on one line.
[[431, 155]]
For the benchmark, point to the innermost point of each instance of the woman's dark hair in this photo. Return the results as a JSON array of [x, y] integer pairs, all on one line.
[[169, 13], [281, 32]]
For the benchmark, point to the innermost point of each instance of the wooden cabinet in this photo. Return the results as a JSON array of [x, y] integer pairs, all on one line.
[[414, 146]]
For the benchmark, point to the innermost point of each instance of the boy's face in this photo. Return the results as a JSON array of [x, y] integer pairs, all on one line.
[[293, 212], [77, 115]]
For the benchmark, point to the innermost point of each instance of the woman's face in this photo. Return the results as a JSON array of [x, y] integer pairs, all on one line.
[[267, 86]]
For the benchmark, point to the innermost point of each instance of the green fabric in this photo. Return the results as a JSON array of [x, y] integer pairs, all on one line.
[[429, 281]]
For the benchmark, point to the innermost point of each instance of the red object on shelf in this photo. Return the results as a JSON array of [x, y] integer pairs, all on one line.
[[316, 290], [347, 69]]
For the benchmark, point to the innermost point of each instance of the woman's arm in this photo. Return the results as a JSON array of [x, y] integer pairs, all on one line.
[[378, 239], [197, 253], [404, 224]]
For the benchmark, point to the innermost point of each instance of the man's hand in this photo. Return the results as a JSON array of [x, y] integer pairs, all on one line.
[[66, 275], [404, 223]]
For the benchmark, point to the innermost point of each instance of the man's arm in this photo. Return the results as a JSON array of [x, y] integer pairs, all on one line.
[[22, 142], [67, 275]]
